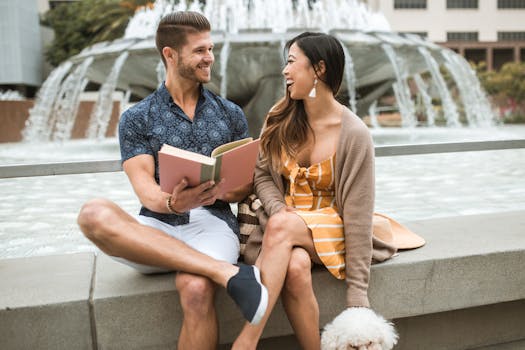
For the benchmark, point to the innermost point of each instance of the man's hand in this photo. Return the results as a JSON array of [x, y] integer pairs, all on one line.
[[185, 198]]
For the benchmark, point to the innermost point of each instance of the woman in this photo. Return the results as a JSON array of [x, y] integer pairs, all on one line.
[[315, 179]]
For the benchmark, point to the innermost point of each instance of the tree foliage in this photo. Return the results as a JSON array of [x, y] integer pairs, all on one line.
[[82, 23], [506, 88], [509, 81]]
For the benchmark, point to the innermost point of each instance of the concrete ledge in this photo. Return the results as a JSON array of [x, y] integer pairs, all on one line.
[[44, 302], [468, 261], [464, 289], [494, 324]]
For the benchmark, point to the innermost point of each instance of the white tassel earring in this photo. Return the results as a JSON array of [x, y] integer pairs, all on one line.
[[313, 92]]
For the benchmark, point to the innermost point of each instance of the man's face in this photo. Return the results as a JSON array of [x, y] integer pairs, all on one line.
[[196, 58]]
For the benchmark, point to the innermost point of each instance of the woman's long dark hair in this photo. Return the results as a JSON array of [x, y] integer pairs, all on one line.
[[286, 127]]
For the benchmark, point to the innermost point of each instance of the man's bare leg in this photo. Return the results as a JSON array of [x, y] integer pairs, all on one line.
[[118, 234], [199, 329], [299, 300]]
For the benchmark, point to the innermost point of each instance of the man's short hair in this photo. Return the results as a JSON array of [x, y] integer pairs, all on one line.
[[174, 27]]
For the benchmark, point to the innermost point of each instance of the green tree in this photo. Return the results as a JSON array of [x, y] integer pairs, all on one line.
[[510, 81], [506, 88], [83, 23]]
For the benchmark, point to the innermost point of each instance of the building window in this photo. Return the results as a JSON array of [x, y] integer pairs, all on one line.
[[511, 36], [462, 4], [410, 4], [502, 56], [476, 55], [462, 36], [511, 4]]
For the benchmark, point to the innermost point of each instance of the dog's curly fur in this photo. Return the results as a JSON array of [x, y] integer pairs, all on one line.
[[357, 327]]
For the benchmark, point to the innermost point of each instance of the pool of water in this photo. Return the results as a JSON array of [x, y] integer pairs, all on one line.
[[85, 150], [49, 152], [38, 214]]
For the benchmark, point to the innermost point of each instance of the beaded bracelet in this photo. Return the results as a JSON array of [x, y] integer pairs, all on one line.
[[170, 208]]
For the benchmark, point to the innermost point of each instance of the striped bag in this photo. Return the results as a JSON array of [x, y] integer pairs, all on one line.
[[252, 219]]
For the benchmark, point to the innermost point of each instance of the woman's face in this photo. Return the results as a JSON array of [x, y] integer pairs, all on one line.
[[299, 74]]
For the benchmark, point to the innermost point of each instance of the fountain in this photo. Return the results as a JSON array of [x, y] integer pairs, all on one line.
[[249, 37], [249, 58]]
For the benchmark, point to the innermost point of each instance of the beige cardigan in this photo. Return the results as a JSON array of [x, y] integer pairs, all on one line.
[[354, 194]]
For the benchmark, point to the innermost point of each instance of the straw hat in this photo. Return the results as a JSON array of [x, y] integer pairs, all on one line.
[[389, 230]]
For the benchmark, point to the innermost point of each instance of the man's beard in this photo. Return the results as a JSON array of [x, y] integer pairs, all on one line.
[[190, 73]]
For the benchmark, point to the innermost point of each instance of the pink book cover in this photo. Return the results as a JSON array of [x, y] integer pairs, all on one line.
[[175, 164], [238, 165], [234, 162]]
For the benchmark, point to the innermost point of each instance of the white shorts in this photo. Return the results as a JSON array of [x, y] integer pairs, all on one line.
[[205, 233]]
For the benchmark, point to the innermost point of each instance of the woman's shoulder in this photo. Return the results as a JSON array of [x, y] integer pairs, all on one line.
[[353, 126]]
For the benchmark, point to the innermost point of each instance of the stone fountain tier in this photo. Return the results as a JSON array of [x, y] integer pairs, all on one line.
[[254, 60]]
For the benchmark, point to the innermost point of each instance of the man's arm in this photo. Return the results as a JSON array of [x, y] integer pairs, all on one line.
[[141, 173]]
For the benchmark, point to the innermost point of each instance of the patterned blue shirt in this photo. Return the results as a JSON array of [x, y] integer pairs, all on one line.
[[156, 120]]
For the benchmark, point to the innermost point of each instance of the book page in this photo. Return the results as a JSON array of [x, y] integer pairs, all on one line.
[[178, 152], [229, 146]]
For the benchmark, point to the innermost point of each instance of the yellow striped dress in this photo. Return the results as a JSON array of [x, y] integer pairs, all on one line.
[[312, 193]]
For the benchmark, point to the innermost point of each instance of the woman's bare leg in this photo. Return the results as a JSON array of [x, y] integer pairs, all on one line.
[[299, 300], [284, 231]]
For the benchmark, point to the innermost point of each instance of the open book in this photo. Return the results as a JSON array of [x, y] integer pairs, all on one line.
[[234, 162]]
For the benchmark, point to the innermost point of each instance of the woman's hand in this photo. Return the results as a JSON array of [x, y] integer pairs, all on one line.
[[237, 194], [288, 209]]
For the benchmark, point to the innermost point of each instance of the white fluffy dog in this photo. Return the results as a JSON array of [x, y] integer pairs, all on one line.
[[358, 328]]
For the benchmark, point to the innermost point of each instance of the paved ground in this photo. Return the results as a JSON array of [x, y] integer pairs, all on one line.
[[37, 215]]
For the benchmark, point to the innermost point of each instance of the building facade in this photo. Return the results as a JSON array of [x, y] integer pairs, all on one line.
[[20, 44], [492, 31]]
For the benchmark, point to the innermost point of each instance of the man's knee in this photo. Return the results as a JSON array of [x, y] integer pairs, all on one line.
[[92, 217], [197, 293], [298, 275]]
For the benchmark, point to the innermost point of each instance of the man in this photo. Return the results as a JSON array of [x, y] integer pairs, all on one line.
[[191, 230]]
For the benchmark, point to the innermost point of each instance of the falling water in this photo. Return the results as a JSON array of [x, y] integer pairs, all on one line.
[[449, 107], [65, 110], [350, 79], [372, 112], [277, 15], [401, 88], [39, 114], [427, 100], [226, 15], [125, 101], [225, 53], [161, 72], [475, 103], [11, 95], [303, 13], [231, 17], [282, 46], [101, 113]]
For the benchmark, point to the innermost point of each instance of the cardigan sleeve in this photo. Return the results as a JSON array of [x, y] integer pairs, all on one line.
[[355, 194], [269, 188]]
